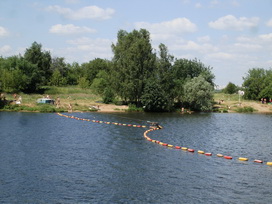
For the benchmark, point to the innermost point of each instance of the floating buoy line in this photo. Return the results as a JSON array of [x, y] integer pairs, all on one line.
[[156, 126]]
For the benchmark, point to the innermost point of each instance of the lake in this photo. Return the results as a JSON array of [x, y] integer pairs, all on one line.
[[46, 158]]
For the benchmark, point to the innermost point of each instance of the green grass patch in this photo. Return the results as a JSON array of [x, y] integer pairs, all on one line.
[[245, 109]]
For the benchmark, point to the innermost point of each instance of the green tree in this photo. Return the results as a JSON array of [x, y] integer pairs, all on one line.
[[254, 83], [164, 74], [74, 73], [83, 83], [231, 88], [42, 60], [133, 63], [198, 93], [92, 68], [154, 98], [101, 82], [184, 70], [57, 79]]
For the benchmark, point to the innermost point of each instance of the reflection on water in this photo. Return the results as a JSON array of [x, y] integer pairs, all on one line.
[[46, 158]]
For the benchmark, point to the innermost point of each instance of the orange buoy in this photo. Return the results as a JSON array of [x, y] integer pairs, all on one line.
[[191, 150], [208, 154], [177, 147], [258, 161], [164, 144], [227, 157]]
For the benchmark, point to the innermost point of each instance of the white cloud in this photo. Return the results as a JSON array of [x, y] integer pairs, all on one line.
[[196, 47], [230, 22], [72, 1], [266, 37], [88, 48], [3, 32], [220, 56], [269, 23], [70, 29], [5, 50], [247, 47], [168, 29], [198, 5], [204, 39], [214, 2], [88, 12]]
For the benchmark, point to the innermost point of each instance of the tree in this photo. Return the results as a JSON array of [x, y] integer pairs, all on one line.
[[231, 88], [184, 70], [254, 83], [154, 98], [133, 63], [198, 93], [42, 61], [164, 74], [57, 79], [92, 68], [83, 83]]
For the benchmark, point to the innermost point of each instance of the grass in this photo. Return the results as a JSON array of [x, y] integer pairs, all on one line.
[[80, 99]]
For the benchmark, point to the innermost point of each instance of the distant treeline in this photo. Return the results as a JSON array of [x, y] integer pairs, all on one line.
[[156, 81], [257, 85]]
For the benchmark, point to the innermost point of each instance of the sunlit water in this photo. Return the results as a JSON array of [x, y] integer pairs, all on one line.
[[45, 158]]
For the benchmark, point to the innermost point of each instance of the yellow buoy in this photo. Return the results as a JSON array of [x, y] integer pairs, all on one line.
[[243, 159], [184, 148], [169, 145], [200, 152], [219, 155], [269, 163]]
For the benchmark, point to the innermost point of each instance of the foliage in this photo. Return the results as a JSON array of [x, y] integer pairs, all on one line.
[[108, 95], [231, 88], [83, 83], [42, 61], [92, 68], [57, 79], [134, 108], [184, 70], [258, 84], [199, 94], [133, 63], [136, 74], [154, 98], [245, 109]]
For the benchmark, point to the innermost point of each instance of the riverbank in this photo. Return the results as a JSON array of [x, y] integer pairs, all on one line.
[[73, 99], [232, 103]]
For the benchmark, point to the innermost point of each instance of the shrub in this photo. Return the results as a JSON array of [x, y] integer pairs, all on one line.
[[245, 109]]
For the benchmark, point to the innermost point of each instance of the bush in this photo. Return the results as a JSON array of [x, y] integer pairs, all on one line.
[[45, 108], [133, 108], [245, 109]]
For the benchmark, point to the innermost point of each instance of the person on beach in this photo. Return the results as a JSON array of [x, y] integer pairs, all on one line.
[[58, 102]]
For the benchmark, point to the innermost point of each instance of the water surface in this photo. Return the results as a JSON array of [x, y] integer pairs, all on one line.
[[46, 158]]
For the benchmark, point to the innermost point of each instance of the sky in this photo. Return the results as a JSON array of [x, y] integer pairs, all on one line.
[[230, 36]]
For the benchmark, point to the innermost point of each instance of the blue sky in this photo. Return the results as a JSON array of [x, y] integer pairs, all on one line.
[[230, 36]]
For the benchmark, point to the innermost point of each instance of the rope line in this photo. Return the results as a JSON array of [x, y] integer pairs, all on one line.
[[158, 127]]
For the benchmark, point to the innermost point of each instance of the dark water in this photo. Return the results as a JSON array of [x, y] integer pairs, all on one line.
[[45, 158]]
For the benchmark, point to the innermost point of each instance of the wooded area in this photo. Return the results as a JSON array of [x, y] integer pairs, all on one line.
[[136, 75]]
